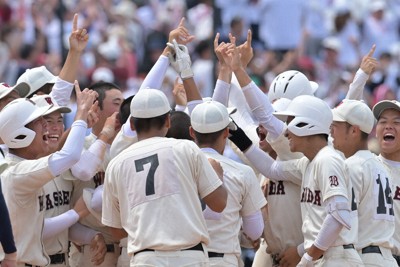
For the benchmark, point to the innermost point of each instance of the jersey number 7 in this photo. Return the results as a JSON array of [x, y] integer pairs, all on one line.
[[139, 165]]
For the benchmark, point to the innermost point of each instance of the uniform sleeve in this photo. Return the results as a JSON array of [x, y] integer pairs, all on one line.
[[262, 110], [356, 88], [205, 177], [254, 198], [122, 141], [221, 92], [291, 170], [110, 209], [334, 179], [61, 92], [156, 75], [6, 234]]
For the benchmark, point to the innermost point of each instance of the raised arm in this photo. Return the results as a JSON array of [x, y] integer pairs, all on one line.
[[78, 40], [367, 66], [257, 100]]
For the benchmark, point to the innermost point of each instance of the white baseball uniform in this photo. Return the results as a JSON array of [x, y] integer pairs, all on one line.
[[244, 198], [394, 171], [57, 200], [282, 229], [373, 194], [22, 185], [325, 177], [322, 178], [84, 257], [160, 178]]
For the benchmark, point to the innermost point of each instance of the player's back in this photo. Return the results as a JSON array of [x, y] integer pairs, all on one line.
[[372, 183], [162, 178], [244, 198]]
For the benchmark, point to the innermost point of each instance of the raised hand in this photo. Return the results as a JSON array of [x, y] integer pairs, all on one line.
[[231, 54], [84, 101], [179, 93], [111, 127], [369, 63], [180, 59], [246, 50], [79, 37], [181, 34]]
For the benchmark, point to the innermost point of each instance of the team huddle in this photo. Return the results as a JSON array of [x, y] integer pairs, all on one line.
[[152, 185]]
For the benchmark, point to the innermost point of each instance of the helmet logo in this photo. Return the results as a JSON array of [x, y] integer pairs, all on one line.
[[48, 100]]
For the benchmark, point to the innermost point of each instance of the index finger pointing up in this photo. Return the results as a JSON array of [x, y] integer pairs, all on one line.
[[372, 51], [75, 22]]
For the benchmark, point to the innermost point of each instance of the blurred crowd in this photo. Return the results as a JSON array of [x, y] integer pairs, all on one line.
[[325, 39]]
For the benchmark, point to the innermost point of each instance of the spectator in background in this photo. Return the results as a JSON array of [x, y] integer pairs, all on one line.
[[379, 28], [203, 68], [347, 32]]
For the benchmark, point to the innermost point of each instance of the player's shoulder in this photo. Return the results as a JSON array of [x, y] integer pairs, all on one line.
[[329, 154]]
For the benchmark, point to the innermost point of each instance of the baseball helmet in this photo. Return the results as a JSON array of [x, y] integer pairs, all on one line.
[[290, 84], [311, 116], [13, 120]]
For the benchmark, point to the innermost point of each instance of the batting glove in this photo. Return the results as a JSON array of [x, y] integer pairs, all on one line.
[[180, 60], [306, 261]]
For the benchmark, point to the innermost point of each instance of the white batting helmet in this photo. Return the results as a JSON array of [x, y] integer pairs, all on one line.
[[13, 120], [311, 116], [290, 84]]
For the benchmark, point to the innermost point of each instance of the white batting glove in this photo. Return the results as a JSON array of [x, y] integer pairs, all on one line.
[[306, 261], [180, 60]]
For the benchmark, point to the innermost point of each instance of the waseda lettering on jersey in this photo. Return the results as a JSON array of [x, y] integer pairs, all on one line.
[[54, 199], [276, 188], [309, 196], [397, 193]]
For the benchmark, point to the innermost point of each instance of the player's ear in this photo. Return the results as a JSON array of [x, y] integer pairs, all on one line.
[[168, 121], [132, 124], [191, 132], [226, 133]]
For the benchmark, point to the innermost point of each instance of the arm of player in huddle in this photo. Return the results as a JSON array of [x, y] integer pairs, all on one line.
[[63, 87], [208, 176], [91, 159], [290, 170], [367, 66], [257, 100], [64, 159]]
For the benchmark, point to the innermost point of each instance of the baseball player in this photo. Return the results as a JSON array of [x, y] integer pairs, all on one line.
[[109, 102], [210, 129], [24, 131], [262, 110], [329, 225], [162, 176], [353, 121], [387, 112], [8, 94]]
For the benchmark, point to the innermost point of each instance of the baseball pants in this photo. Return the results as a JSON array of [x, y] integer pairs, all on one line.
[[377, 256], [344, 255]]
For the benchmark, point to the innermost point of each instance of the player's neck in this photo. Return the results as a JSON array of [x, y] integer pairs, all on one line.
[[151, 133], [318, 143]]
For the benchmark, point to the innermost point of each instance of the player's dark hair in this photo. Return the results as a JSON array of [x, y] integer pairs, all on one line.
[[101, 88], [44, 90], [207, 138], [180, 122], [125, 109], [144, 125], [364, 136]]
